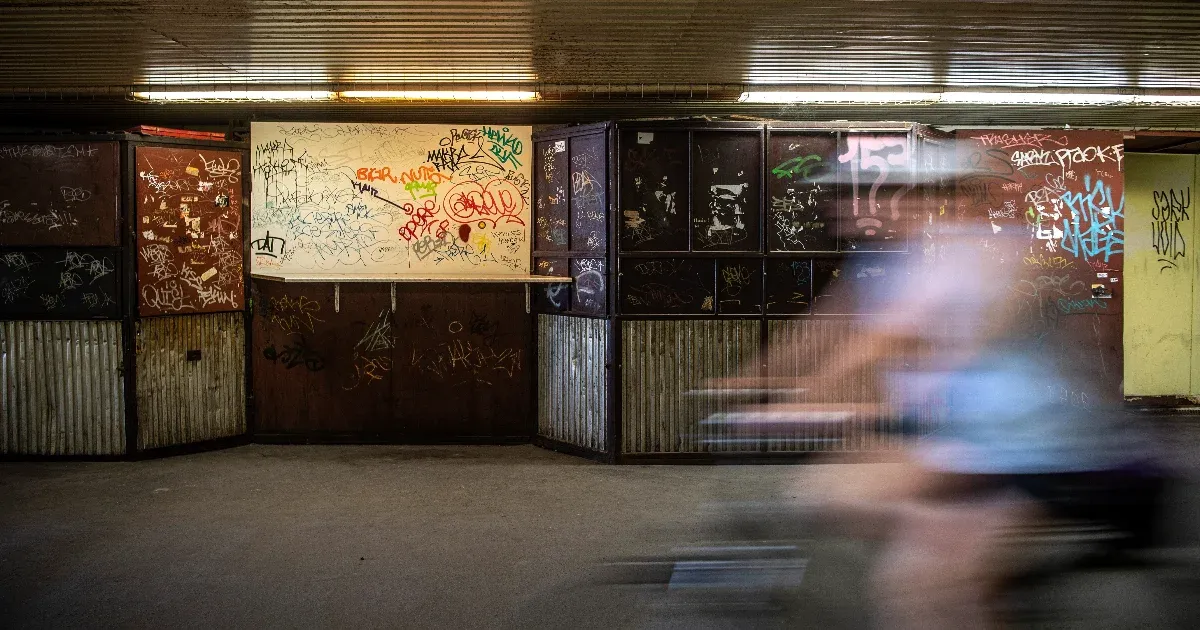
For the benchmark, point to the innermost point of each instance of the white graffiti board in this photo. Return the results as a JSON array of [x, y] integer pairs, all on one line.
[[404, 199]]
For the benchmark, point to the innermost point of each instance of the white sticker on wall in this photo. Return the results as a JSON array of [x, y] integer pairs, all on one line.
[[560, 146], [645, 137], [1102, 274]]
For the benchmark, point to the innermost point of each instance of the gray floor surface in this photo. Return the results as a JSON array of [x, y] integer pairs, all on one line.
[[368, 536], [340, 536]]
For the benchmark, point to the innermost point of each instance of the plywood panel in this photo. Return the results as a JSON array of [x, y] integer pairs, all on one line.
[[726, 179], [740, 286], [873, 206], [392, 198], [589, 290], [1160, 273], [462, 364], [317, 369], [667, 286], [556, 297], [59, 194], [802, 192], [189, 230], [451, 362]]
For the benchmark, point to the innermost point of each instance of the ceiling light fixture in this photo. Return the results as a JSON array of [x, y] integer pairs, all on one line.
[[1034, 98], [817, 98], [969, 97], [1184, 100], [239, 95], [440, 95]]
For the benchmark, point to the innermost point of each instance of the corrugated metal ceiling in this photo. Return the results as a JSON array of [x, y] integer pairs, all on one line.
[[63, 50]]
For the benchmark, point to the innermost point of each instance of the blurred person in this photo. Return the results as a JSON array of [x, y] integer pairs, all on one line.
[[1012, 451]]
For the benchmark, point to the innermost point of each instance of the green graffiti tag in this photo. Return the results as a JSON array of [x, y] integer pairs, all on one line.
[[802, 166]]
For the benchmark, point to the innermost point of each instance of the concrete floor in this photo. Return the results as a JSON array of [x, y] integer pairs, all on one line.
[[338, 536], [361, 536]]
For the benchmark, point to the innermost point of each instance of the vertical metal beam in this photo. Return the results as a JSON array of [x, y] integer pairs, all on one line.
[[248, 299], [129, 293], [613, 356]]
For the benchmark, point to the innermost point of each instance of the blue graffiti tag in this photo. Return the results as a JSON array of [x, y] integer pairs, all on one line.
[[1094, 226]]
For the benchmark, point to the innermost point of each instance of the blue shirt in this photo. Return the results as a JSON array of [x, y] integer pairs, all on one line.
[[1011, 414]]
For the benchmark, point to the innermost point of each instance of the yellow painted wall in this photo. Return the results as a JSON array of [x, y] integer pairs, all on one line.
[[1162, 317]]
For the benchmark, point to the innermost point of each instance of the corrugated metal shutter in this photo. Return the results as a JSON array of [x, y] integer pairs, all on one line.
[[662, 364], [572, 395], [182, 401], [61, 388]]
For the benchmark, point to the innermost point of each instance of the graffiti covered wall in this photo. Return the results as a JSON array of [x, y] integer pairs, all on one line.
[[429, 362], [1160, 273], [1055, 205], [189, 231], [421, 199]]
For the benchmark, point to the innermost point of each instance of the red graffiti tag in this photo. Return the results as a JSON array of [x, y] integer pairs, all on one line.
[[421, 221], [473, 201]]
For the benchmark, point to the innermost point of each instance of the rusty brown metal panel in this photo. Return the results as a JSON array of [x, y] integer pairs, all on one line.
[[572, 395], [189, 230], [61, 388], [190, 378], [1055, 201], [59, 194], [664, 368]]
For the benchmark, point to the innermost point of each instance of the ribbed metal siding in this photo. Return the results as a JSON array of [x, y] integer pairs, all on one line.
[[1088, 42], [572, 399], [48, 68], [61, 388], [823, 343], [181, 401], [662, 364], [36, 110]]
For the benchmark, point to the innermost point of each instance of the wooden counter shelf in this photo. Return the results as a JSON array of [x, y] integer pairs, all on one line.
[[338, 279], [391, 277]]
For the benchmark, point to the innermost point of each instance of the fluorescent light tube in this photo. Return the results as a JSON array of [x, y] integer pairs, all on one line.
[[239, 95], [1035, 98], [1189, 100], [441, 95], [838, 97]]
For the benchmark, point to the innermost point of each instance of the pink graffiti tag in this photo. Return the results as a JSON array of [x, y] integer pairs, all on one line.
[[879, 153]]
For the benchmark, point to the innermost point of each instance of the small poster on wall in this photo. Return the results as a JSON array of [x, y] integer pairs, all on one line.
[[422, 200]]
